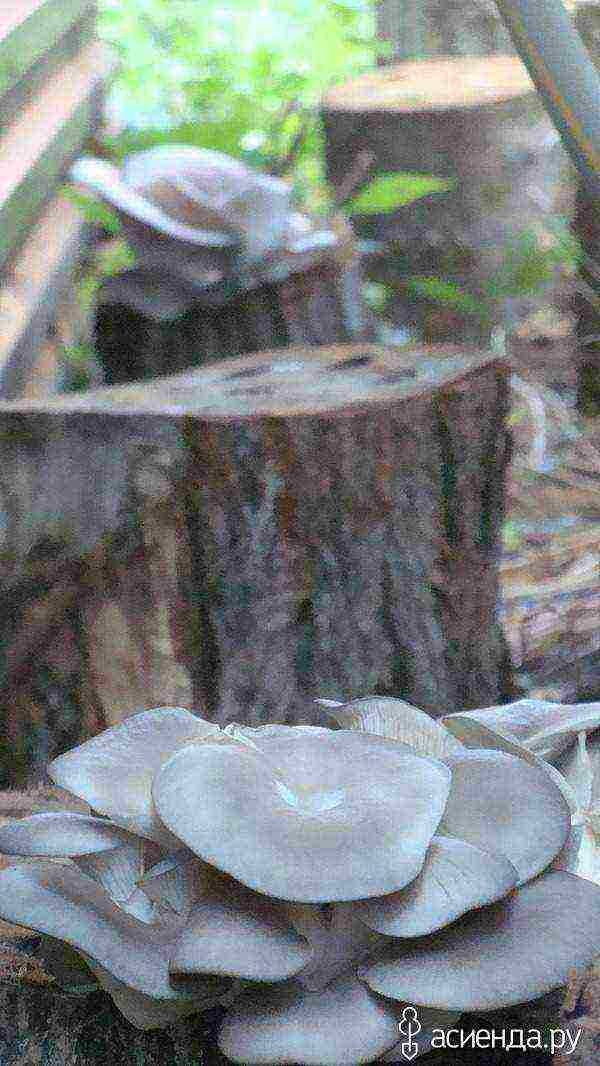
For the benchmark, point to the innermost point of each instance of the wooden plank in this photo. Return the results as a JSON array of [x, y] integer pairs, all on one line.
[[23, 91], [28, 301], [37, 149], [29, 29]]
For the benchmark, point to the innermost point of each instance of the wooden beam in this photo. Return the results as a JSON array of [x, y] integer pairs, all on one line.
[[28, 299], [31, 28], [32, 82], [37, 149]]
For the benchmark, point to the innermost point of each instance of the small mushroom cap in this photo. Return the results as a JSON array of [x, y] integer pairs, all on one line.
[[343, 1025], [295, 813], [113, 772], [478, 734], [544, 727], [507, 953], [146, 1012], [66, 904], [456, 878], [504, 805], [397, 720], [61, 833], [238, 933]]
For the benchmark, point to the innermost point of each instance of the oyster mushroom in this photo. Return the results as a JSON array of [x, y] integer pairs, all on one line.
[[295, 813], [341, 1026], [236, 932], [61, 833], [500, 803], [113, 772], [456, 878], [507, 953], [541, 726]]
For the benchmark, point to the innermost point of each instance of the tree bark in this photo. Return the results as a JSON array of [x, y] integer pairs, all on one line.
[[270, 529], [476, 122], [148, 324]]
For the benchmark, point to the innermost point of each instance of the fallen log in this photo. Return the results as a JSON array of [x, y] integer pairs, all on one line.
[[244, 538]]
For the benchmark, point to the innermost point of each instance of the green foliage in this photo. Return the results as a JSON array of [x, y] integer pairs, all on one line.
[[94, 211], [387, 192], [443, 291], [530, 262], [226, 76]]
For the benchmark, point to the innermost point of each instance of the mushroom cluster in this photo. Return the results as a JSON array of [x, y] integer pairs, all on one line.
[[315, 881]]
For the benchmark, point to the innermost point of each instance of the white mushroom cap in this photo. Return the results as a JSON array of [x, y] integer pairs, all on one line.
[[504, 805], [397, 720], [456, 878], [236, 932], [295, 814], [343, 1025], [61, 833], [113, 772], [106, 180], [66, 904], [507, 953], [544, 727]]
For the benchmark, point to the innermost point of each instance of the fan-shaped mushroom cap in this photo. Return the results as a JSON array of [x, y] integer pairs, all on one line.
[[478, 734], [211, 190], [146, 1012], [504, 805], [543, 727], [456, 878], [61, 833], [107, 181], [340, 1026], [397, 720], [238, 933], [65, 903], [296, 813], [507, 953], [113, 772]]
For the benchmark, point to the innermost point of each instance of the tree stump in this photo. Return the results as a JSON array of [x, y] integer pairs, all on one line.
[[244, 538], [148, 323], [477, 122]]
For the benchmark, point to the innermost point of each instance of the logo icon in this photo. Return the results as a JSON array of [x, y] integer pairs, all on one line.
[[410, 1027]]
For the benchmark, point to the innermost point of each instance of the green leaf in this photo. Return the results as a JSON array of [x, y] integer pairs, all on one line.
[[389, 191], [94, 211], [443, 291]]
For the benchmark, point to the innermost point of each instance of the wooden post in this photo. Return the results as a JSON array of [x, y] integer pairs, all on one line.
[[245, 538], [477, 122]]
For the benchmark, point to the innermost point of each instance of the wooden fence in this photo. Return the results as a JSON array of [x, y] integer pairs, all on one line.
[[52, 72]]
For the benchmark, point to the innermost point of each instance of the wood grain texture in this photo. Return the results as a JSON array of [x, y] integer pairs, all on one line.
[[37, 148], [30, 295], [31, 28]]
